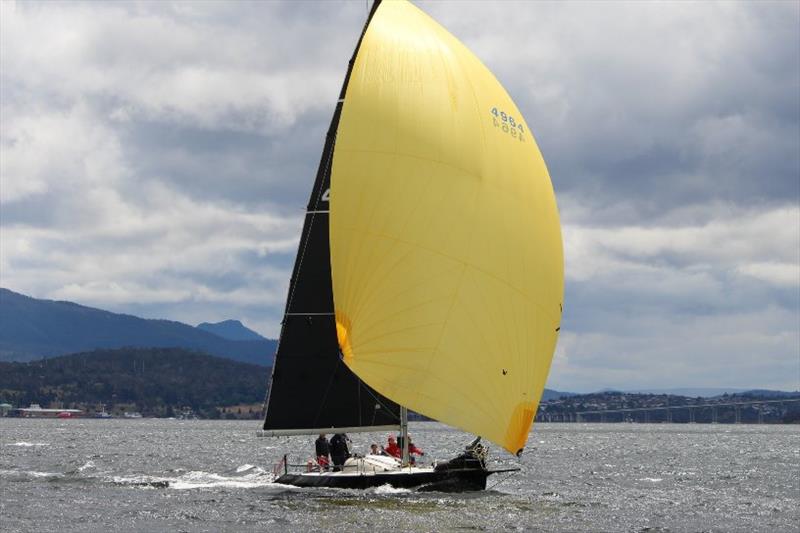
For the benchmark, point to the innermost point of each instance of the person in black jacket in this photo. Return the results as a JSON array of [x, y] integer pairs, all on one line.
[[339, 451], [322, 450]]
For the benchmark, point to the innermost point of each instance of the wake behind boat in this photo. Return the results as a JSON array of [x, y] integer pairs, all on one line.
[[429, 274]]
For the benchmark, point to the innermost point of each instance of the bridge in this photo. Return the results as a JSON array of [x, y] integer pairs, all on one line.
[[714, 412]]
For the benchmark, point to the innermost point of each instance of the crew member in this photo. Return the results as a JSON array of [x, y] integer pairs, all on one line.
[[413, 450], [393, 449], [322, 449], [339, 451]]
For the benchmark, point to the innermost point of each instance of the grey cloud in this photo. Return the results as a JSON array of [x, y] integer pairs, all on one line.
[[245, 168], [156, 158], [642, 108]]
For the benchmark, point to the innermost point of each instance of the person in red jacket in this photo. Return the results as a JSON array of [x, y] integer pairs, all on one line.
[[413, 449], [393, 449]]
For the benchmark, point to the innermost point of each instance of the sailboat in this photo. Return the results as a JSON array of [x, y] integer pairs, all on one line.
[[429, 274]]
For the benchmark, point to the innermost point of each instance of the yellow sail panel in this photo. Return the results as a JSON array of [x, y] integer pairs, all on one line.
[[446, 252]]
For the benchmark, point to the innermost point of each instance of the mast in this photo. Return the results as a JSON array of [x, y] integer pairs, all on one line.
[[404, 433]]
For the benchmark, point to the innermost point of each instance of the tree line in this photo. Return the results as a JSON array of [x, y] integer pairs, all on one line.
[[157, 381]]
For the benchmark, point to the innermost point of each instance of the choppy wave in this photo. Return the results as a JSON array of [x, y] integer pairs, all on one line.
[[159, 476]]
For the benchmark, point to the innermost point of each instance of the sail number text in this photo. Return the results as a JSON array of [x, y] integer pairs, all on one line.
[[505, 122]]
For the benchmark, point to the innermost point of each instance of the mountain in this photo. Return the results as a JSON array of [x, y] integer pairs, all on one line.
[[157, 381], [550, 394], [31, 329], [231, 330]]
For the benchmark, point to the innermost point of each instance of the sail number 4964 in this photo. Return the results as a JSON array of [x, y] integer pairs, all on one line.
[[505, 122]]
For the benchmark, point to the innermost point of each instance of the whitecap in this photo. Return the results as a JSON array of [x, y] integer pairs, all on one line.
[[150, 482], [388, 489], [44, 474], [253, 477], [28, 473], [201, 480], [28, 444]]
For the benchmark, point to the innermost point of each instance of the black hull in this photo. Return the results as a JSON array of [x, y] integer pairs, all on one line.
[[451, 480]]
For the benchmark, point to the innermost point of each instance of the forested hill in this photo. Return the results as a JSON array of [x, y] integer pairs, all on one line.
[[154, 381], [32, 328]]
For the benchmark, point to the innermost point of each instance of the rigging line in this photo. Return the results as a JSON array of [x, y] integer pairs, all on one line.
[[301, 255], [376, 398], [366, 387], [327, 390], [503, 479]]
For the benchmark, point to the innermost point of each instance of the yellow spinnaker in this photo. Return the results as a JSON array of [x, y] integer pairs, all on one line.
[[446, 252]]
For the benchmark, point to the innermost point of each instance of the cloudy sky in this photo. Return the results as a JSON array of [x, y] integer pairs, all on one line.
[[156, 158]]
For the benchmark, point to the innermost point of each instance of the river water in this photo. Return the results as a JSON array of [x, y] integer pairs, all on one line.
[[172, 475]]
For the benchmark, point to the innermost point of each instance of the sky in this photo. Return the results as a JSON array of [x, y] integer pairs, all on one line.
[[156, 159]]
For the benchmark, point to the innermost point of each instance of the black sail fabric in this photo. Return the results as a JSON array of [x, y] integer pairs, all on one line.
[[311, 389]]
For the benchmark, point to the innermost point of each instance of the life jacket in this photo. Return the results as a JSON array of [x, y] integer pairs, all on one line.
[[394, 450]]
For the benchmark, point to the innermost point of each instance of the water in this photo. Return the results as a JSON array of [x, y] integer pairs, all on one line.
[[158, 475]]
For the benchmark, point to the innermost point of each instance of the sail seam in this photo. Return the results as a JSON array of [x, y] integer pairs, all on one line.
[[443, 329], [476, 268], [414, 156]]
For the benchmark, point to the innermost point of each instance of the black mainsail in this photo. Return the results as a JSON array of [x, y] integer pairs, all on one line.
[[311, 389]]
